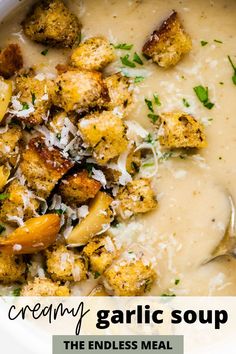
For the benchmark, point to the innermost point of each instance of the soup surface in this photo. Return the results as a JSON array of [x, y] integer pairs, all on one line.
[[193, 208]]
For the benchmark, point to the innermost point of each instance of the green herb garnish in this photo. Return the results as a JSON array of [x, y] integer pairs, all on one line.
[[33, 98], [202, 94], [123, 46], [185, 102], [149, 105], [2, 228], [24, 106], [4, 196], [96, 275], [137, 59], [156, 100], [153, 117], [203, 43], [149, 139], [44, 52], [168, 295], [177, 281], [125, 61], [218, 41], [16, 292], [234, 69], [138, 79], [59, 211]]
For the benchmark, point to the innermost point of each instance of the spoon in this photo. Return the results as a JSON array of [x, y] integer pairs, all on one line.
[[227, 246]]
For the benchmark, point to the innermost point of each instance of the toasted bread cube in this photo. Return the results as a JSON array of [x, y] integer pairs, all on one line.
[[4, 175], [129, 276], [20, 203], [181, 130], [43, 167], [100, 252], [65, 265], [79, 188], [93, 54], [33, 99], [61, 120], [5, 96], [135, 198], [79, 90], [105, 133], [119, 91], [51, 23], [99, 290], [11, 60], [169, 43], [12, 268], [9, 144], [44, 287]]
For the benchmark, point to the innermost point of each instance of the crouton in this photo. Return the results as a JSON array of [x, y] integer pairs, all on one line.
[[105, 133], [129, 276], [120, 92], [5, 172], [169, 43], [78, 188], [12, 268], [35, 97], [51, 23], [11, 60], [79, 90], [94, 54], [60, 120], [181, 130], [65, 265], [9, 144], [5, 96], [43, 167], [44, 287], [99, 290], [100, 252], [20, 203], [135, 198]]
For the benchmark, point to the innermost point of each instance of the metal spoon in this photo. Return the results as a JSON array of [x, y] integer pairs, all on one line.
[[227, 246]]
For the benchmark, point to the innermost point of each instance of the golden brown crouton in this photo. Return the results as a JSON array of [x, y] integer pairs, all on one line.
[[12, 268], [11, 60], [181, 130], [94, 54], [19, 203], [78, 90], [100, 252], [35, 97], [51, 23], [169, 43], [4, 175], [44, 287], [120, 92], [60, 120], [43, 167], [78, 188], [129, 276], [105, 134], [65, 265], [9, 144], [136, 197]]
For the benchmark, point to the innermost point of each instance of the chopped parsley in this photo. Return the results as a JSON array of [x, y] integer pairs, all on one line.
[[33, 98], [156, 99], [138, 79], [137, 59], [202, 94], [149, 105], [89, 167], [177, 281], [234, 69], [58, 136], [2, 228], [59, 211], [186, 103], [168, 295], [16, 292], [203, 43], [218, 41], [4, 196], [44, 52], [24, 106], [96, 275], [149, 139], [153, 117], [123, 46], [125, 61]]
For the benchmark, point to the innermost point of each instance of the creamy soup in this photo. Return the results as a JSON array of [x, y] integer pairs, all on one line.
[[193, 208]]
